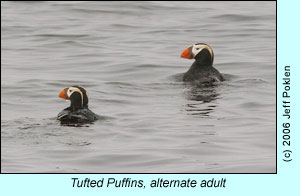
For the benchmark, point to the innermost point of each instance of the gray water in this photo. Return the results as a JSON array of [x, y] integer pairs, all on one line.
[[127, 56]]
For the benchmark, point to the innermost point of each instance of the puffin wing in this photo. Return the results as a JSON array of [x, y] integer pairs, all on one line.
[[88, 114], [63, 114]]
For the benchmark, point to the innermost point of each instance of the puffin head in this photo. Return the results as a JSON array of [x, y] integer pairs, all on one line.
[[199, 51], [77, 95]]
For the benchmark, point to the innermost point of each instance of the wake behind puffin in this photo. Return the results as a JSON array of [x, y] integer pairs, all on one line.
[[78, 113], [201, 71]]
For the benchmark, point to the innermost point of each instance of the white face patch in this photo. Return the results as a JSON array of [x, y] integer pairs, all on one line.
[[71, 90], [198, 47]]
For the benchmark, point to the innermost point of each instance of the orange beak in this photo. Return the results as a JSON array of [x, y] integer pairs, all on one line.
[[187, 53], [63, 94]]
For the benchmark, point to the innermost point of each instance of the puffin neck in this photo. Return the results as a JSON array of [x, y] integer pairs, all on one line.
[[85, 97], [76, 101], [204, 58]]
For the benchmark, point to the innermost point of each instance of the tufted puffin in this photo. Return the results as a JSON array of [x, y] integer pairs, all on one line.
[[78, 112], [201, 70]]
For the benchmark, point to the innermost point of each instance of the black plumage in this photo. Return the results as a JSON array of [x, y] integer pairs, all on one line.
[[78, 111], [202, 70]]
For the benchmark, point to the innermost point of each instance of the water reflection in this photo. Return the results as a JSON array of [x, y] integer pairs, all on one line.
[[201, 100]]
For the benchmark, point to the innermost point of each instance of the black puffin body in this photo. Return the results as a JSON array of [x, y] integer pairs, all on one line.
[[201, 70], [78, 112]]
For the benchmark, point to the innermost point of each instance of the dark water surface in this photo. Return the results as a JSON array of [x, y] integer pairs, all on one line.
[[126, 54]]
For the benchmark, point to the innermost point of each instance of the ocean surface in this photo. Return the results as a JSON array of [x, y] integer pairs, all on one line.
[[127, 56]]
